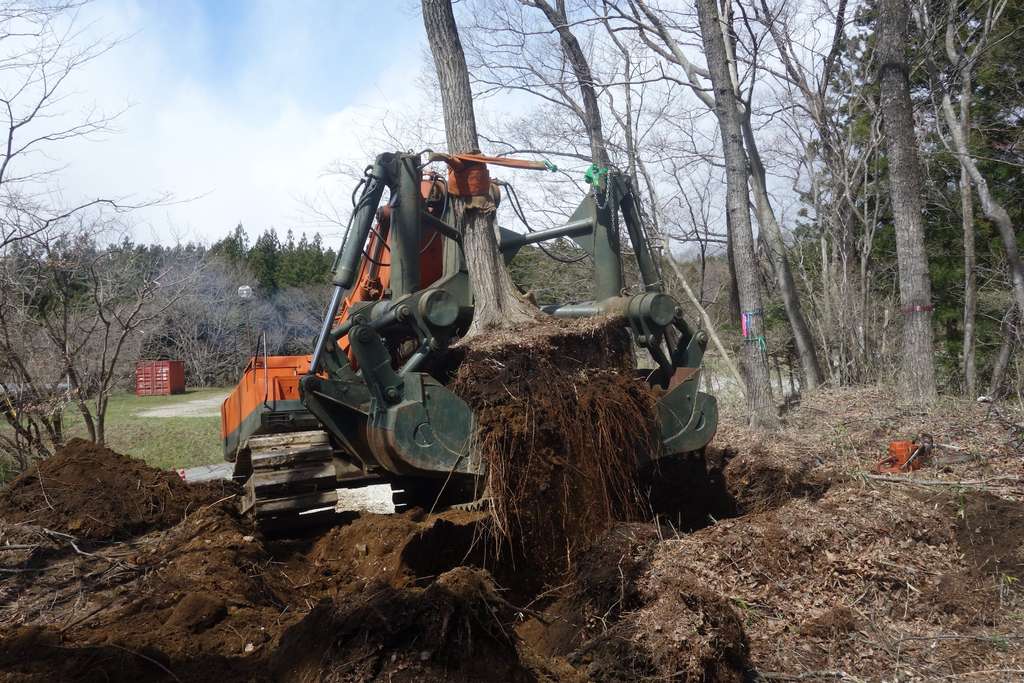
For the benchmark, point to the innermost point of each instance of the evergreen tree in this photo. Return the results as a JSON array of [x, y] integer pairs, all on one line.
[[264, 259], [234, 248]]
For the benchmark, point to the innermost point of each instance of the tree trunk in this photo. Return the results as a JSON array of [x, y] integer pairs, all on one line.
[[918, 364], [994, 211], [760, 408], [591, 114], [497, 304], [1008, 333], [730, 260], [783, 272], [970, 286], [101, 425]]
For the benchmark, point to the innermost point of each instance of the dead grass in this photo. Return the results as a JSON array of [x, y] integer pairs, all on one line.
[[842, 433], [901, 577]]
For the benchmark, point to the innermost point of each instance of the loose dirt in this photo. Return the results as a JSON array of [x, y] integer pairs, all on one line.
[[93, 493], [788, 569]]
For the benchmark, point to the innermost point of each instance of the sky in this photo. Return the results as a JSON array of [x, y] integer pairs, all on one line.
[[235, 111]]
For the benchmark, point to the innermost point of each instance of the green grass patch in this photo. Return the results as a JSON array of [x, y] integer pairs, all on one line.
[[164, 442]]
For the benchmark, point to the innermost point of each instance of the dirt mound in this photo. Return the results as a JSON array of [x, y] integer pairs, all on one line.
[[617, 621], [759, 479], [193, 577], [604, 586], [93, 493], [456, 629], [905, 578], [394, 550], [688, 631], [210, 598], [193, 602], [564, 427]]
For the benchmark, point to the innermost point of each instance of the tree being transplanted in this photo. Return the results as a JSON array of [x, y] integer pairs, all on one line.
[[497, 303]]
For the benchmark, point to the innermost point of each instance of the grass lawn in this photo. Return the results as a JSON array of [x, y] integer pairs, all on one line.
[[178, 441]]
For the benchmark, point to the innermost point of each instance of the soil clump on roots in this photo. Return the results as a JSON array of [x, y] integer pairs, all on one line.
[[564, 426]]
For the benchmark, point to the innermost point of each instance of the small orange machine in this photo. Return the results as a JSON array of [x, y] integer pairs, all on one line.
[[905, 456]]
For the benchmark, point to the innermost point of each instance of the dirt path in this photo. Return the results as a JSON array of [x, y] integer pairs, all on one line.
[[208, 406]]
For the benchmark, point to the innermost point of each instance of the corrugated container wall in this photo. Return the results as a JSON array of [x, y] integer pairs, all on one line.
[[159, 377]]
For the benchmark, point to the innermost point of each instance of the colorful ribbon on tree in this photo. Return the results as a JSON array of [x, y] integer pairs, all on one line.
[[747, 327]]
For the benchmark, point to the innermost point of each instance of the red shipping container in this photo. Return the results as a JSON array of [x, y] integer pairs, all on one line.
[[159, 377]]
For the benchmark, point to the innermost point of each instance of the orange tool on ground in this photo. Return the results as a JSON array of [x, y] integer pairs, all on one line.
[[905, 456]]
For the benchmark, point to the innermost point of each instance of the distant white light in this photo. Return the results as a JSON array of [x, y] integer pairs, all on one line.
[[245, 292]]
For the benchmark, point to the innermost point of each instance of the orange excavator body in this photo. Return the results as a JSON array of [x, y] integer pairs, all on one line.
[[371, 405]]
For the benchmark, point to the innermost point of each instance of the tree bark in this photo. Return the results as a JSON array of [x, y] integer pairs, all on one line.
[[970, 286], [783, 272], [760, 408], [1008, 333], [918, 364], [497, 304]]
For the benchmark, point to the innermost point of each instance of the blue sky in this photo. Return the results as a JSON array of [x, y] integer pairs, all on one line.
[[236, 109], [345, 42]]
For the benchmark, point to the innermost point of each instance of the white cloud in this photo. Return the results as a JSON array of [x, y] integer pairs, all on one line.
[[246, 148]]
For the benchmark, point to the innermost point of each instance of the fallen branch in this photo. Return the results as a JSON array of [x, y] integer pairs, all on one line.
[[838, 675], [59, 535], [995, 637], [955, 483]]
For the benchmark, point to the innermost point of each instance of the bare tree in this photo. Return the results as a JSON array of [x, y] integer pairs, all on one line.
[[656, 33], [837, 165], [760, 408], [497, 303], [41, 48], [963, 54], [71, 315], [918, 366], [66, 312], [591, 111]]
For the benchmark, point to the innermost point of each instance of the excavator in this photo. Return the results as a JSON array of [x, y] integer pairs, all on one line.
[[369, 404]]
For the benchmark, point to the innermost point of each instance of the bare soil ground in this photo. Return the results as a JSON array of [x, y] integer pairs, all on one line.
[[774, 558]]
